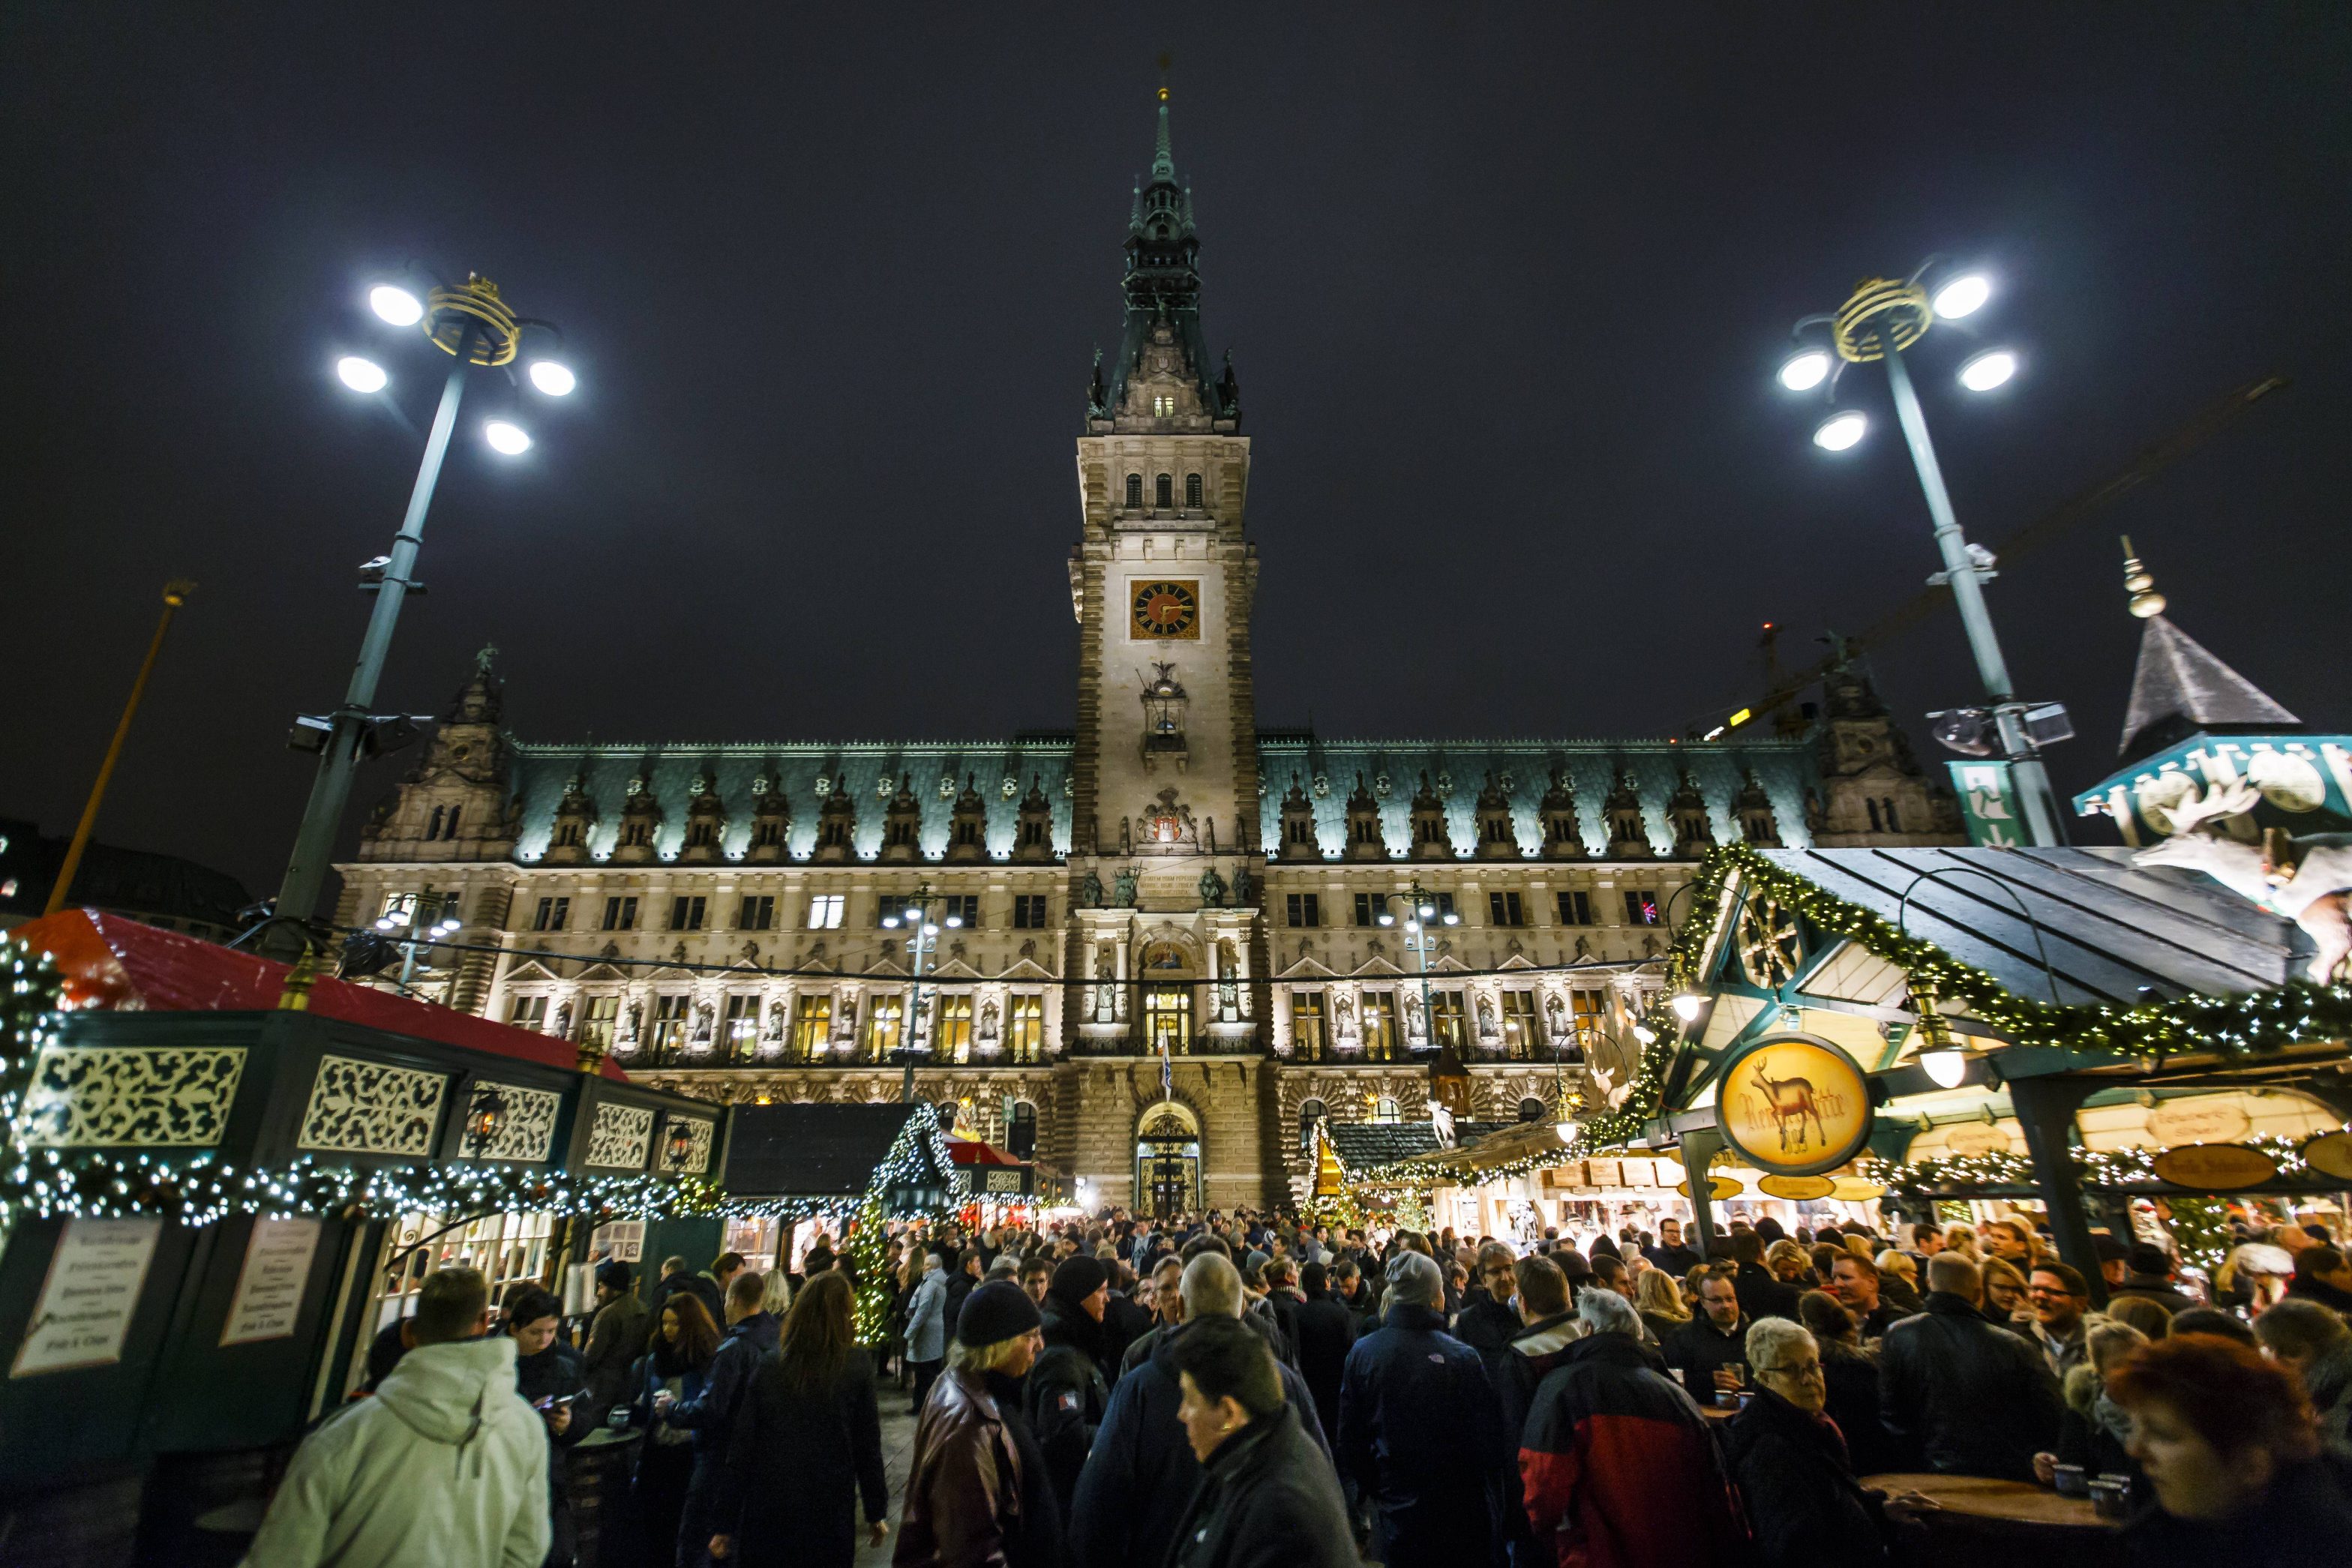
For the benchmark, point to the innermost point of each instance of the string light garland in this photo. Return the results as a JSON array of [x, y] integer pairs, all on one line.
[[2092, 1168], [204, 1189]]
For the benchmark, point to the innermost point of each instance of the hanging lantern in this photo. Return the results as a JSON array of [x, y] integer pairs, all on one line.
[[679, 1146], [484, 1117]]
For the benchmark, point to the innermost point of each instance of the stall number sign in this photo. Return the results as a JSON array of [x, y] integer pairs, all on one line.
[[1794, 1105], [94, 1280], [269, 1295]]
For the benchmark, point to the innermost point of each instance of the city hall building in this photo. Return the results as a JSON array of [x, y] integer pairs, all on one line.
[[1168, 939]]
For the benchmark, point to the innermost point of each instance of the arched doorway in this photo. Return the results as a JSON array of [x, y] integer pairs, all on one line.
[[1168, 1160]]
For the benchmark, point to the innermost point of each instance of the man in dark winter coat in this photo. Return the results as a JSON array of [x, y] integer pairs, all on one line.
[[1974, 1399], [2148, 1271], [1670, 1254], [1326, 1332], [1267, 1498], [1068, 1389], [1760, 1294], [676, 1276], [1616, 1464], [1125, 1320], [1487, 1322], [1549, 1327], [750, 1334], [616, 1338], [1804, 1506], [1132, 1495], [1714, 1341], [1420, 1432]]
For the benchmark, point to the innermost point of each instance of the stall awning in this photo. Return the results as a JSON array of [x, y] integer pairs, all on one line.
[[116, 964], [822, 1151], [973, 1152]]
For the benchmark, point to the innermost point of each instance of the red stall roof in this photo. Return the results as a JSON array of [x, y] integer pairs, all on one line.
[[113, 963], [973, 1152]]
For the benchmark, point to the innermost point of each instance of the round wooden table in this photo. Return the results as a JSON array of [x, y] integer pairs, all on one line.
[[1982, 1497]]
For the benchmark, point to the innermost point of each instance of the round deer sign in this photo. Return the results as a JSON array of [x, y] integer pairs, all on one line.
[[1794, 1105]]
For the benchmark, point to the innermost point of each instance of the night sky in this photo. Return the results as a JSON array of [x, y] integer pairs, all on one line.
[[1505, 294]]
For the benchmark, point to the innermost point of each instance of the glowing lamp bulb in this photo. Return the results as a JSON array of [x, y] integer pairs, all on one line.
[[1963, 295], [554, 379], [1566, 1132], [1805, 371], [1645, 1034], [1948, 1067], [1688, 1005], [890, 921], [1387, 919], [361, 376], [954, 921], [506, 437], [1841, 430], [396, 305], [1988, 369]]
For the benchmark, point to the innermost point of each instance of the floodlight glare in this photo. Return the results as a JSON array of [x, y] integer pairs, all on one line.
[[361, 376], [397, 306], [1963, 295], [1840, 431], [554, 379], [1806, 370], [507, 437], [1988, 369]]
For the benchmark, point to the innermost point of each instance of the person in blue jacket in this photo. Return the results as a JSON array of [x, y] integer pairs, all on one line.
[[709, 1413]]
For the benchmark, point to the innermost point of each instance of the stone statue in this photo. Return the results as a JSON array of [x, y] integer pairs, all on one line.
[[1122, 895], [984, 1032], [1211, 889], [1090, 890], [1487, 1028], [1245, 891]]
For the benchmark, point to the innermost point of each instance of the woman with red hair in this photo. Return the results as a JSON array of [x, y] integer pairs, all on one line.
[[2231, 1451]]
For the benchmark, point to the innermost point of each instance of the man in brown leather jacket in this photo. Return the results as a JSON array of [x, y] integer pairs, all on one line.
[[977, 1495]]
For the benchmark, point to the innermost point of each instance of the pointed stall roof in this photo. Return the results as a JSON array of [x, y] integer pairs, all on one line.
[[2178, 688]]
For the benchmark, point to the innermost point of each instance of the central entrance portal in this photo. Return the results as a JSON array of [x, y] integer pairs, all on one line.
[[1168, 1161]]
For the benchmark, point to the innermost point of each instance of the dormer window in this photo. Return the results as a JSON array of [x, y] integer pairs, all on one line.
[[1165, 488], [1163, 407], [1192, 491], [1135, 490]]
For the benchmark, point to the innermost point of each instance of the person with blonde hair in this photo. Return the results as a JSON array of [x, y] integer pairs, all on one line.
[[1962, 1239], [977, 1487], [1660, 1302]]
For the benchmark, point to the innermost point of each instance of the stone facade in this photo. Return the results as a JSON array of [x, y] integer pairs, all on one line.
[[1168, 939]]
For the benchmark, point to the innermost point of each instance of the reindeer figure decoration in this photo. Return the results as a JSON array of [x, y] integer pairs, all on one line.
[[1790, 1099], [2305, 879]]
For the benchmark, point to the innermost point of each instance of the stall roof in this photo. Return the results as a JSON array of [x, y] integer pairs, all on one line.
[[112, 963], [1362, 1146], [974, 1152], [2107, 928], [812, 1151]]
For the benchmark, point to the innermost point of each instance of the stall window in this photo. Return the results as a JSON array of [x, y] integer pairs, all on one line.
[[506, 1248]]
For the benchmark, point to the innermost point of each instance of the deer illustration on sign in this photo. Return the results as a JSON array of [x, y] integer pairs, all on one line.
[[2305, 879], [1790, 1099]]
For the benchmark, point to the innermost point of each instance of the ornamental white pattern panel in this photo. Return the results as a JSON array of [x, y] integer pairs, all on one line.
[[371, 1108], [697, 1156], [528, 1131], [123, 1096], [620, 1135]]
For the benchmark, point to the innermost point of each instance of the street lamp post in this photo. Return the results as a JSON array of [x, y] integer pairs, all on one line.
[[917, 915], [1421, 907], [1880, 322], [472, 324]]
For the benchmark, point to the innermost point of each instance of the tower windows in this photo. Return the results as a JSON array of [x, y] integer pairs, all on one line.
[[1164, 491], [1192, 491], [1135, 490], [1893, 825], [1575, 907], [433, 828], [1163, 406]]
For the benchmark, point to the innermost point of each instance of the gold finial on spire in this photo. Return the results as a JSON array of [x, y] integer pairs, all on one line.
[[1166, 60], [2145, 600]]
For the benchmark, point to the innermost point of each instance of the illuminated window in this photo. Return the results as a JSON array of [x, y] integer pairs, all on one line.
[[596, 1027], [1378, 1015], [669, 1024], [742, 1024], [882, 1026], [1306, 1024], [1445, 1008], [811, 1025], [529, 1012], [1385, 1110], [1024, 1031], [825, 912], [953, 1034], [1519, 1024], [1641, 906]]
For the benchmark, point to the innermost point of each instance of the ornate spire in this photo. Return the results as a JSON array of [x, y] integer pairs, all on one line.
[[2178, 688], [1162, 285]]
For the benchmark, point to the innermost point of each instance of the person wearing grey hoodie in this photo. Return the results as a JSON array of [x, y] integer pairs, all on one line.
[[444, 1464]]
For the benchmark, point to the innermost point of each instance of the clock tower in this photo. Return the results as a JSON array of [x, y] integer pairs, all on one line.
[[1165, 862]]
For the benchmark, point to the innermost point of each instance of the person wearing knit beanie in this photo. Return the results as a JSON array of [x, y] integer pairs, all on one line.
[[995, 1312], [1074, 1280]]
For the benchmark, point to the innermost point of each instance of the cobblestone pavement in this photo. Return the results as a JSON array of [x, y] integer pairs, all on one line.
[[897, 1446]]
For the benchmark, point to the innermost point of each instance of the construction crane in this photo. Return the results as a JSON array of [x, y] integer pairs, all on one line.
[[2209, 421]]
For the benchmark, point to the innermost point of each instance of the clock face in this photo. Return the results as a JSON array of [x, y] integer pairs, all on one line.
[[1166, 609]]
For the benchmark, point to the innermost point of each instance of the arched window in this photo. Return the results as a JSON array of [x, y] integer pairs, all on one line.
[[1309, 1113], [1021, 1131], [433, 829], [1531, 1109], [1165, 487], [1893, 825], [450, 831], [1384, 1109], [1135, 489], [1192, 491], [1874, 813]]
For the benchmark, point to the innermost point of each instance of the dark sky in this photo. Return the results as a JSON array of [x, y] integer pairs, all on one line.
[[1505, 292]]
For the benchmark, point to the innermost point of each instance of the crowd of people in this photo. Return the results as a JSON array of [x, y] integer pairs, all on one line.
[[1248, 1391]]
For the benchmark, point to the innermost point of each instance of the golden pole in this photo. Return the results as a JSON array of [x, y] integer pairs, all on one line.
[[176, 593]]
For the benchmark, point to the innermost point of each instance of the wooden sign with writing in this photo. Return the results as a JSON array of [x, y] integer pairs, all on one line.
[[2215, 1167], [92, 1289]]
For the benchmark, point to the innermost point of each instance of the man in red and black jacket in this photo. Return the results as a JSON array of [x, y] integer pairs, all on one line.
[[1616, 1464]]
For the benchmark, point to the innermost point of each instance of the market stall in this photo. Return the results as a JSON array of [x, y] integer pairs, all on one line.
[[2053, 1029], [210, 1210]]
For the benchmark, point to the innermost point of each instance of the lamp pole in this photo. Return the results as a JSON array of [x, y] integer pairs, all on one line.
[[472, 323], [922, 944], [176, 593], [1882, 318], [1420, 908]]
